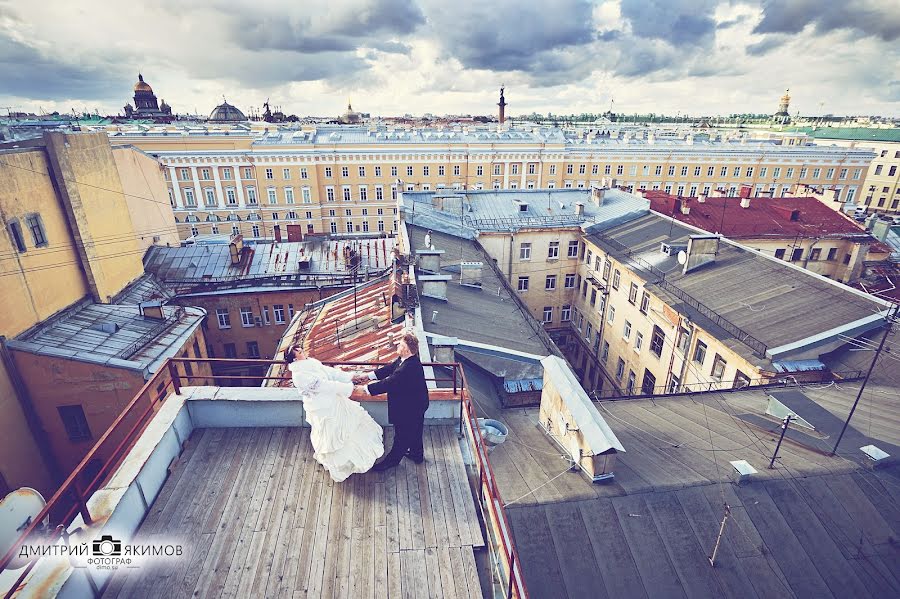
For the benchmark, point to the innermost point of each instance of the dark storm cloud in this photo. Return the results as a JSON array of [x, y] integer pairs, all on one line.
[[677, 22], [510, 35], [868, 17], [27, 72], [340, 27]]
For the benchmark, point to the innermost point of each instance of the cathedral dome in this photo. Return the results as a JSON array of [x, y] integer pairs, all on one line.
[[141, 85], [225, 112]]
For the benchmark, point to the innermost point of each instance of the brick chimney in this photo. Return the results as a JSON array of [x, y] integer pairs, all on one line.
[[745, 202]]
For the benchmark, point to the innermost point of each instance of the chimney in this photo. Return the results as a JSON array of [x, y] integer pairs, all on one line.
[[444, 348], [745, 202], [235, 247], [597, 194], [434, 286], [746, 191], [579, 208], [685, 207], [470, 274], [701, 199], [719, 192], [429, 260], [701, 250]]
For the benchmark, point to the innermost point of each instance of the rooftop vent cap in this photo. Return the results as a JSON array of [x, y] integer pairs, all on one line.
[[105, 327]]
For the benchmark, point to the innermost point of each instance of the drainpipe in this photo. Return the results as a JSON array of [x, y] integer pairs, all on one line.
[[509, 271], [35, 426]]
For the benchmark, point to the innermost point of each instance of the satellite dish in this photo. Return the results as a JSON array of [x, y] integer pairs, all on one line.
[[682, 257], [17, 510]]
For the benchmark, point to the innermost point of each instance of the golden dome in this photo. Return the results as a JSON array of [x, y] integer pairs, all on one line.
[[141, 86]]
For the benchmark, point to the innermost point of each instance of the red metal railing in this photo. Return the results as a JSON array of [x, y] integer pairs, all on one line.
[[71, 498]]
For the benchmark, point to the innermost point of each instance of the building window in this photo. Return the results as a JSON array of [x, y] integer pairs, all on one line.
[[289, 195], [328, 172], [525, 251], [718, 368], [604, 355], [15, 232], [566, 313], [224, 318], [657, 340], [620, 369], [230, 350], [286, 173], [741, 380], [75, 422], [815, 254], [36, 225], [570, 281], [345, 171], [700, 352], [269, 174], [832, 254], [548, 314], [252, 349], [648, 385], [638, 342], [612, 314], [796, 254], [626, 331], [523, 283], [273, 198], [550, 284], [645, 302], [346, 191], [779, 253], [553, 250], [617, 276], [632, 294]]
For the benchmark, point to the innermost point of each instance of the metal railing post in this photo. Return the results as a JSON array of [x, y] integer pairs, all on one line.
[[512, 575], [82, 504], [176, 378]]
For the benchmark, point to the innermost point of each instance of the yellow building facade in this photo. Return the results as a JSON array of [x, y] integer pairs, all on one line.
[[343, 180], [69, 236]]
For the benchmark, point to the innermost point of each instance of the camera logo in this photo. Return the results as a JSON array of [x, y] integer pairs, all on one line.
[[107, 546]]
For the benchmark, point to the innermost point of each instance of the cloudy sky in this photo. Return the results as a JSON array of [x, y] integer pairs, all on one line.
[[417, 56]]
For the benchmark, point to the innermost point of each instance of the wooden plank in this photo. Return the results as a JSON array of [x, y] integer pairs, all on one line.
[[338, 552], [248, 525], [416, 514], [414, 580], [392, 511], [433, 572], [445, 566], [362, 574], [435, 498], [380, 562], [251, 568], [228, 524], [462, 581], [403, 507], [657, 573], [176, 471], [428, 521], [537, 552], [800, 572], [322, 558], [458, 492], [277, 528], [394, 582], [688, 558], [812, 534], [446, 492], [473, 583]]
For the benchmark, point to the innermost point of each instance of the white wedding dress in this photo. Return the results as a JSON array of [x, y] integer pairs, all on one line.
[[345, 438]]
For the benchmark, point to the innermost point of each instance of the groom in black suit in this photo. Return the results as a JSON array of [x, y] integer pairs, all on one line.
[[407, 395]]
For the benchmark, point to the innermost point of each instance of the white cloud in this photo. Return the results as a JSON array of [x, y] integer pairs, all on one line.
[[417, 56]]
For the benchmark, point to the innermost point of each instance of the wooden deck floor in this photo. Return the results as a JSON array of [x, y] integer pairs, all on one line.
[[259, 517]]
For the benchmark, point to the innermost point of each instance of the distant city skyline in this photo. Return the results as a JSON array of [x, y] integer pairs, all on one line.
[[391, 57]]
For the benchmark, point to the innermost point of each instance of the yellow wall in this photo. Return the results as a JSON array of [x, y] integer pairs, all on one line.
[[146, 196], [101, 222], [42, 280], [21, 464]]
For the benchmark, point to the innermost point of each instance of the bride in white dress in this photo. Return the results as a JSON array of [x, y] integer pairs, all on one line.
[[345, 438]]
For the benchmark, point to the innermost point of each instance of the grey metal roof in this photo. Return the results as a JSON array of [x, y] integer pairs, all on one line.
[[488, 315], [773, 301], [111, 334], [502, 210], [213, 261]]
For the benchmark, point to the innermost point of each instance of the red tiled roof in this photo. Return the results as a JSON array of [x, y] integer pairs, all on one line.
[[766, 217]]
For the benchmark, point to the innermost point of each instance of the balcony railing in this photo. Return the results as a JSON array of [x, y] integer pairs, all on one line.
[[113, 447]]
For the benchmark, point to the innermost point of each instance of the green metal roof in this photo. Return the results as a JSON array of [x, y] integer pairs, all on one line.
[[852, 133]]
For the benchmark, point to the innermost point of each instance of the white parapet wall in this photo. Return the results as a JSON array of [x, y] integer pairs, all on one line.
[[570, 418]]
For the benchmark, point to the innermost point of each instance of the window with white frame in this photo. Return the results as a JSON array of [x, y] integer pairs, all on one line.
[[289, 195], [566, 313], [273, 198], [523, 284], [570, 281], [525, 251], [224, 318], [550, 283], [548, 314], [247, 317]]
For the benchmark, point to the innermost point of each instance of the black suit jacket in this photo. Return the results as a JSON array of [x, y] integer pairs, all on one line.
[[407, 393]]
